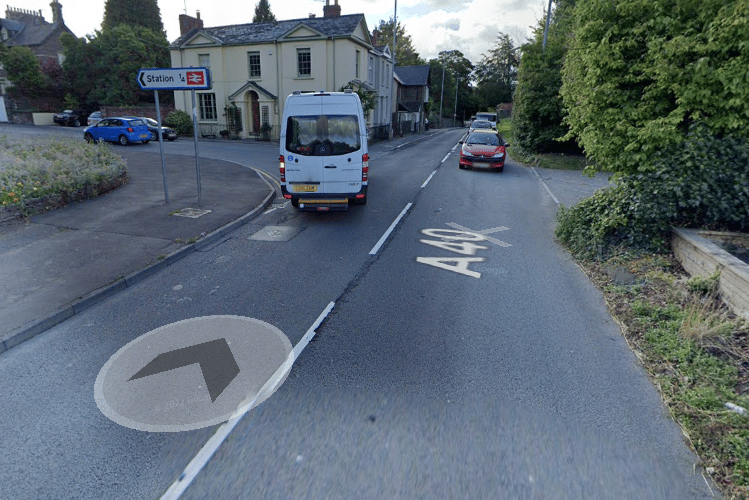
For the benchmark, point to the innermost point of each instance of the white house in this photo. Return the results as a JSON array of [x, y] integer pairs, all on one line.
[[255, 66]]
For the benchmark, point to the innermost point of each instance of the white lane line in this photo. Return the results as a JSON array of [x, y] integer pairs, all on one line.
[[312, 331], [428, 179], [546, 187], [181, 484], [390, 230], [446, 157]]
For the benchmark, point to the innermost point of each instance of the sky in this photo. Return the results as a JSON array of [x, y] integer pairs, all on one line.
[[470, 26]]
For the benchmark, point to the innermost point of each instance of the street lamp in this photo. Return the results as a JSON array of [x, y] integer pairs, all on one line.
[[455, 112], [442, 92]]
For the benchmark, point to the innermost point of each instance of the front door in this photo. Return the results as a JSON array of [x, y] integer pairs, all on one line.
[[255, 113]]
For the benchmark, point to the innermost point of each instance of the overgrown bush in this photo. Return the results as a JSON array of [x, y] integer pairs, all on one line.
[[703, 182], [180, 121], [640, 72], [35, 174]]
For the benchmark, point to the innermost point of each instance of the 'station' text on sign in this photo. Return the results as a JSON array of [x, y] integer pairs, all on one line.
[[174, 79]]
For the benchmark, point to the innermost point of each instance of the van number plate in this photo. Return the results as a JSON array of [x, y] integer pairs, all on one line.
[[305, 188]]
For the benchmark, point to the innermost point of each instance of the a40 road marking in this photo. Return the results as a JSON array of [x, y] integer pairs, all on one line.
[[460, 242]]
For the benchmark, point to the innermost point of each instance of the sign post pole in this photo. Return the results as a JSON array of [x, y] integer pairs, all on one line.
[[161, 145], [177, 79], [195, 134]]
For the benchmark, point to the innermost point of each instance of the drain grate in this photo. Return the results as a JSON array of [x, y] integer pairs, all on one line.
[[276, 233], [192, 213]]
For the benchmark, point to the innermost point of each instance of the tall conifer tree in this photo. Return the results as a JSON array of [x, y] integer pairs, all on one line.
[[144, 13], [263, 13]]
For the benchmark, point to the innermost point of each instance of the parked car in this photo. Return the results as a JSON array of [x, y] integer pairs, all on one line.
[[484, 147], [95, 117], [480, 124], [71, 117], [124, 130], [167, 133]]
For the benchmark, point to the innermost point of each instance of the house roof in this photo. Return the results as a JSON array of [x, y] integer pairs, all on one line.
[[253, 33], [32, 35], [413, 75]]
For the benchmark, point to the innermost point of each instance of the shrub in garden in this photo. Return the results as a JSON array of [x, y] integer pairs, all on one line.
[[702, 182], [35, 174], [179, 121]]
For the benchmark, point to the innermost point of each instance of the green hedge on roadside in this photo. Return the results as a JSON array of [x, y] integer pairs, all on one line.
[[702, 182]]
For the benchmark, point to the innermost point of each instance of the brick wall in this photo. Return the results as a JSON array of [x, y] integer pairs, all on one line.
[[147, 111]]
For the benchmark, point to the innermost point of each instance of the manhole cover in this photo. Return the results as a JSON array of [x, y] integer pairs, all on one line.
[[192, 213], [276, 233]]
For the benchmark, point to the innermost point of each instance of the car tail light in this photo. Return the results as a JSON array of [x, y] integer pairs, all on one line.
[[130, 129], [365, 167], [282, 168]]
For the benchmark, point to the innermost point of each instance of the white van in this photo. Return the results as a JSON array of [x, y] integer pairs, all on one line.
[[324, 159], [490, 117]]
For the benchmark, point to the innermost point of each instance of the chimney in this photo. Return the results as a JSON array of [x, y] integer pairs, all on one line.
[[56, 12], [312, 16], [331, 10], [375, 37], [187, 23]]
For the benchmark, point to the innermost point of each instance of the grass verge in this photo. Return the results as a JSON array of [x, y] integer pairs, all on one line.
[[544, 160], [37, 175], [696, 352]]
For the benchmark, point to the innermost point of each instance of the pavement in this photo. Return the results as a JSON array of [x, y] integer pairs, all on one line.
[[59, 263]]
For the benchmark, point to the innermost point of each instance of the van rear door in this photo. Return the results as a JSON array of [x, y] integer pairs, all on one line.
[[342, 165], [304, 172]]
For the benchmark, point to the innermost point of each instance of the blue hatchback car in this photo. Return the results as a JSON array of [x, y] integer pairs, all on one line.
[[124, 130]]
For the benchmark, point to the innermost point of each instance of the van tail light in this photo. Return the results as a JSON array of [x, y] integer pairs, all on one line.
[[365, 167], [130, 129], [282, 168]]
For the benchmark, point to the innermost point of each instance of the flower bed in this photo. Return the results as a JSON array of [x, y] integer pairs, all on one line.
[[41, 174]]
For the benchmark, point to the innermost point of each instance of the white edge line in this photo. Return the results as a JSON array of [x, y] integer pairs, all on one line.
[[546, 187], [428, 179], [181, 484], [376, 248], [445, 158]]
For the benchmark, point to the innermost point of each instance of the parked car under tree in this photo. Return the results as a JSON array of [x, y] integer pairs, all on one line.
[[71, 118]]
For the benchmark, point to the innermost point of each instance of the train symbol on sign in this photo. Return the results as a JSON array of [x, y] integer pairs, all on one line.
[[195, 78]]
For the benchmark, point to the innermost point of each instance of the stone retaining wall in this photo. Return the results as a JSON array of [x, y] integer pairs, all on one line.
[[701, 257]]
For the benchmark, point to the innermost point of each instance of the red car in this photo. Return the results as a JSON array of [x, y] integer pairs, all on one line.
[[483, 148]]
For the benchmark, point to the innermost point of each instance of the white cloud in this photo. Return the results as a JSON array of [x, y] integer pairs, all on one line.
[[480, 23]]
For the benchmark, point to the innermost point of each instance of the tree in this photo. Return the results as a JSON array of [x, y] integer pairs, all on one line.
[[405, 53], [144, 13], [102, 69], [644, 72], [23, 70], [497, 73], [458, 70], [538, 110], [367, 97], [263, 13]]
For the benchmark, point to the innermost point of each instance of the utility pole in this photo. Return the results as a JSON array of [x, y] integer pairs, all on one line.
[[546, 30], [393, 95]]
